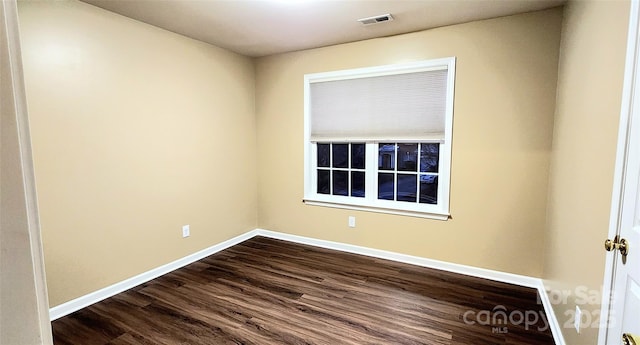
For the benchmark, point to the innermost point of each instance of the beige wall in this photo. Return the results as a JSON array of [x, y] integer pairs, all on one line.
[[582, 162], [504, 103], [136, 131]]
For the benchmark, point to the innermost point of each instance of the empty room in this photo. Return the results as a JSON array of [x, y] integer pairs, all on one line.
[[319, 172]]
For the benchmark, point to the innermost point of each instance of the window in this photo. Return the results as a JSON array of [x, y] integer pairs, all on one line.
[[379, 138], [341, 169], [399, 177]]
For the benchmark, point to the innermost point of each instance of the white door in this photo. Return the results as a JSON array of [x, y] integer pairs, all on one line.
[[625, 313], [624, 306]]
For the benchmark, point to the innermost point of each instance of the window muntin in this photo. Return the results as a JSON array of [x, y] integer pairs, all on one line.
[[400, 179], [341, 169], [400, 172]]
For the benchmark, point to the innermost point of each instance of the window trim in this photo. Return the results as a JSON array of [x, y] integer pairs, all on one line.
[[439, 211]]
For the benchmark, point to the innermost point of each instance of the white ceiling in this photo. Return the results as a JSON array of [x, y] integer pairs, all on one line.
[[264, 27]]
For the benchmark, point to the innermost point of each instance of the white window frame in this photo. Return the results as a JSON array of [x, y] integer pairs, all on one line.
[[371, 202]]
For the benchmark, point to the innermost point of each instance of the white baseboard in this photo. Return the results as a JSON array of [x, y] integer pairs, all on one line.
[[504, 277], [409, 259], [97, 296], [558, 338]]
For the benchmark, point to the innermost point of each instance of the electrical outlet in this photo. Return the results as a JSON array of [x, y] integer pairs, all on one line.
[[186, 231], [577, 319], [352, 221]]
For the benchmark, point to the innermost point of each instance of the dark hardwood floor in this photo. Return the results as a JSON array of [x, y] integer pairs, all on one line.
[[266, 291]]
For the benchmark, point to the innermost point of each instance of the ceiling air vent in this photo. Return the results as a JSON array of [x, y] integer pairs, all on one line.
[[376, 19]]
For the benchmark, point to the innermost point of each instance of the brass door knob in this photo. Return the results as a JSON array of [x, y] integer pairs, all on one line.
[[623, 247], [618, 243], [609, 245], [630, 339]]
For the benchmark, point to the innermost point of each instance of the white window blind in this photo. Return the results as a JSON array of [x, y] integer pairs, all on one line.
[[409, 105]]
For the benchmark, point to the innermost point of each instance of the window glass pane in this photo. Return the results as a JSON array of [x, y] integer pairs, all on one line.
[[340, 182], [407, 157], [323, 181], [407, 187], [357, 184], [340, 155], [385, 186], [357, 156], [323, 155], [386, 156], [428, 189], [429, 157]]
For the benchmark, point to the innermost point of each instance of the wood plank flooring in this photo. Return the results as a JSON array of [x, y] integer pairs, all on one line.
[[266, 291]]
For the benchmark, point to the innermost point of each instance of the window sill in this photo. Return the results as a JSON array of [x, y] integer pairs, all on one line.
[[429, 215]]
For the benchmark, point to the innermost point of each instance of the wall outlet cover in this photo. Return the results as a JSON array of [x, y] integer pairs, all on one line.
[[186, 231]]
